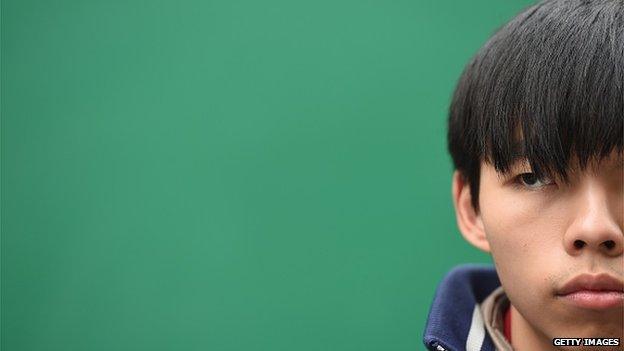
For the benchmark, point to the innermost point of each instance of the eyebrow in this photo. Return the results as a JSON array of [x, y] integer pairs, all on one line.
[[518, 151], [618, 164]]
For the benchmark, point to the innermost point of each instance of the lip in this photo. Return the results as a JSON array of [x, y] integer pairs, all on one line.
[[600, 291]]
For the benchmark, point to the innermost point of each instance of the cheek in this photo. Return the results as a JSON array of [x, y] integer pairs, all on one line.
[[525, 241], [517, 229]]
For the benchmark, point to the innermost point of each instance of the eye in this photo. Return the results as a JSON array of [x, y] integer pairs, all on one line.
[[531, 181]]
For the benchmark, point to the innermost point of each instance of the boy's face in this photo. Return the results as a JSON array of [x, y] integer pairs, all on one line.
[[542, 235]]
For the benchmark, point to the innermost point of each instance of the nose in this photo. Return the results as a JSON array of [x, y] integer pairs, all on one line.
[[595, 227]]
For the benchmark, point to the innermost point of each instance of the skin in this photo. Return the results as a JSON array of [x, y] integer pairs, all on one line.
[[530, 229]]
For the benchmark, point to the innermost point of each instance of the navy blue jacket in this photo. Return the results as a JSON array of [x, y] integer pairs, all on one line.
[[455, 322]]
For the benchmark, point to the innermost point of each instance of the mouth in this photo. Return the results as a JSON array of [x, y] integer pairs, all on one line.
[[596, 292]]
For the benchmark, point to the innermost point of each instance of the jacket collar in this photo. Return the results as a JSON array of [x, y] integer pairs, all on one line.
[[455, 321]]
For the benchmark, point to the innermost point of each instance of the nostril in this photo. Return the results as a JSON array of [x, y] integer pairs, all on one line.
[[609, 244], [579, 244]]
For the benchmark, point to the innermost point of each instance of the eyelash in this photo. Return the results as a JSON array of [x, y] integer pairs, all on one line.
[[518, 183]]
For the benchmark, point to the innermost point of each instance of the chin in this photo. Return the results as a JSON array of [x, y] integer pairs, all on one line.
[[591, 329]]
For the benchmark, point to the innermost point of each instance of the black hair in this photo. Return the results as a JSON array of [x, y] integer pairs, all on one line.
[[549, 83]]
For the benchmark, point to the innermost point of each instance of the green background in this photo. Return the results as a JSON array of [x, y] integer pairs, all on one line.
[[229, 175]]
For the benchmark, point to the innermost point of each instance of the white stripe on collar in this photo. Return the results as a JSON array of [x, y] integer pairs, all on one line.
[[477, 331]]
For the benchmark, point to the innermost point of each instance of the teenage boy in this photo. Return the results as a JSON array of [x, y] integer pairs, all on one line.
[[535, 133]]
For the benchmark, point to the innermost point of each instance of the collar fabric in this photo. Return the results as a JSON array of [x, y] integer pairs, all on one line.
[[456, 318], [507, 325], [493, 310]]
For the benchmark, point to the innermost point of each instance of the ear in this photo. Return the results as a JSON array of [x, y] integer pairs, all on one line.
[[468, 218]]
